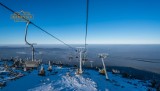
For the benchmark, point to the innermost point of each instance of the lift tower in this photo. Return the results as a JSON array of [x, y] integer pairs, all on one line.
[[80, 50], [102, 56]]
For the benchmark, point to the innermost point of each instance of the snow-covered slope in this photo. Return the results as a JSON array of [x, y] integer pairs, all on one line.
[[66, 80]]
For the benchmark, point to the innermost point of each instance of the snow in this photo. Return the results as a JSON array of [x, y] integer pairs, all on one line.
[[66, 80], [78, 83], [44, 87]]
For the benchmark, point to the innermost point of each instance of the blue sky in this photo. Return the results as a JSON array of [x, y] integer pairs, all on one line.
[[110, 21]]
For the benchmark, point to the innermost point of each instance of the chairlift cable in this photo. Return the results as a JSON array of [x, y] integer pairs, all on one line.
[[87, 5], [37, 26]]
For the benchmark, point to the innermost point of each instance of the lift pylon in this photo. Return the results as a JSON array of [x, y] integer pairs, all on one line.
[[102, 56]]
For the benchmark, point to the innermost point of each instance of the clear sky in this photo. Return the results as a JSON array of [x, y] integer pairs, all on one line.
[[110, 21]]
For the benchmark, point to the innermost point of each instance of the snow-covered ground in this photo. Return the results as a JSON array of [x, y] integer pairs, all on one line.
[[66, 80]]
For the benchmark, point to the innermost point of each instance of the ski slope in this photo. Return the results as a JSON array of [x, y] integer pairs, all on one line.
[[64, 79]]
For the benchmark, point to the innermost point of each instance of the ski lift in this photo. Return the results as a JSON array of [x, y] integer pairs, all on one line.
[[84, 56], [70, 57], [80, 51], [31, 44], [77, 54], [102, 56], [33, 63], [91, 62], [77, 57]]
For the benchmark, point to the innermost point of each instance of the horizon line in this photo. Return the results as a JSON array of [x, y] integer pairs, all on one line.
[[91, 44]]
